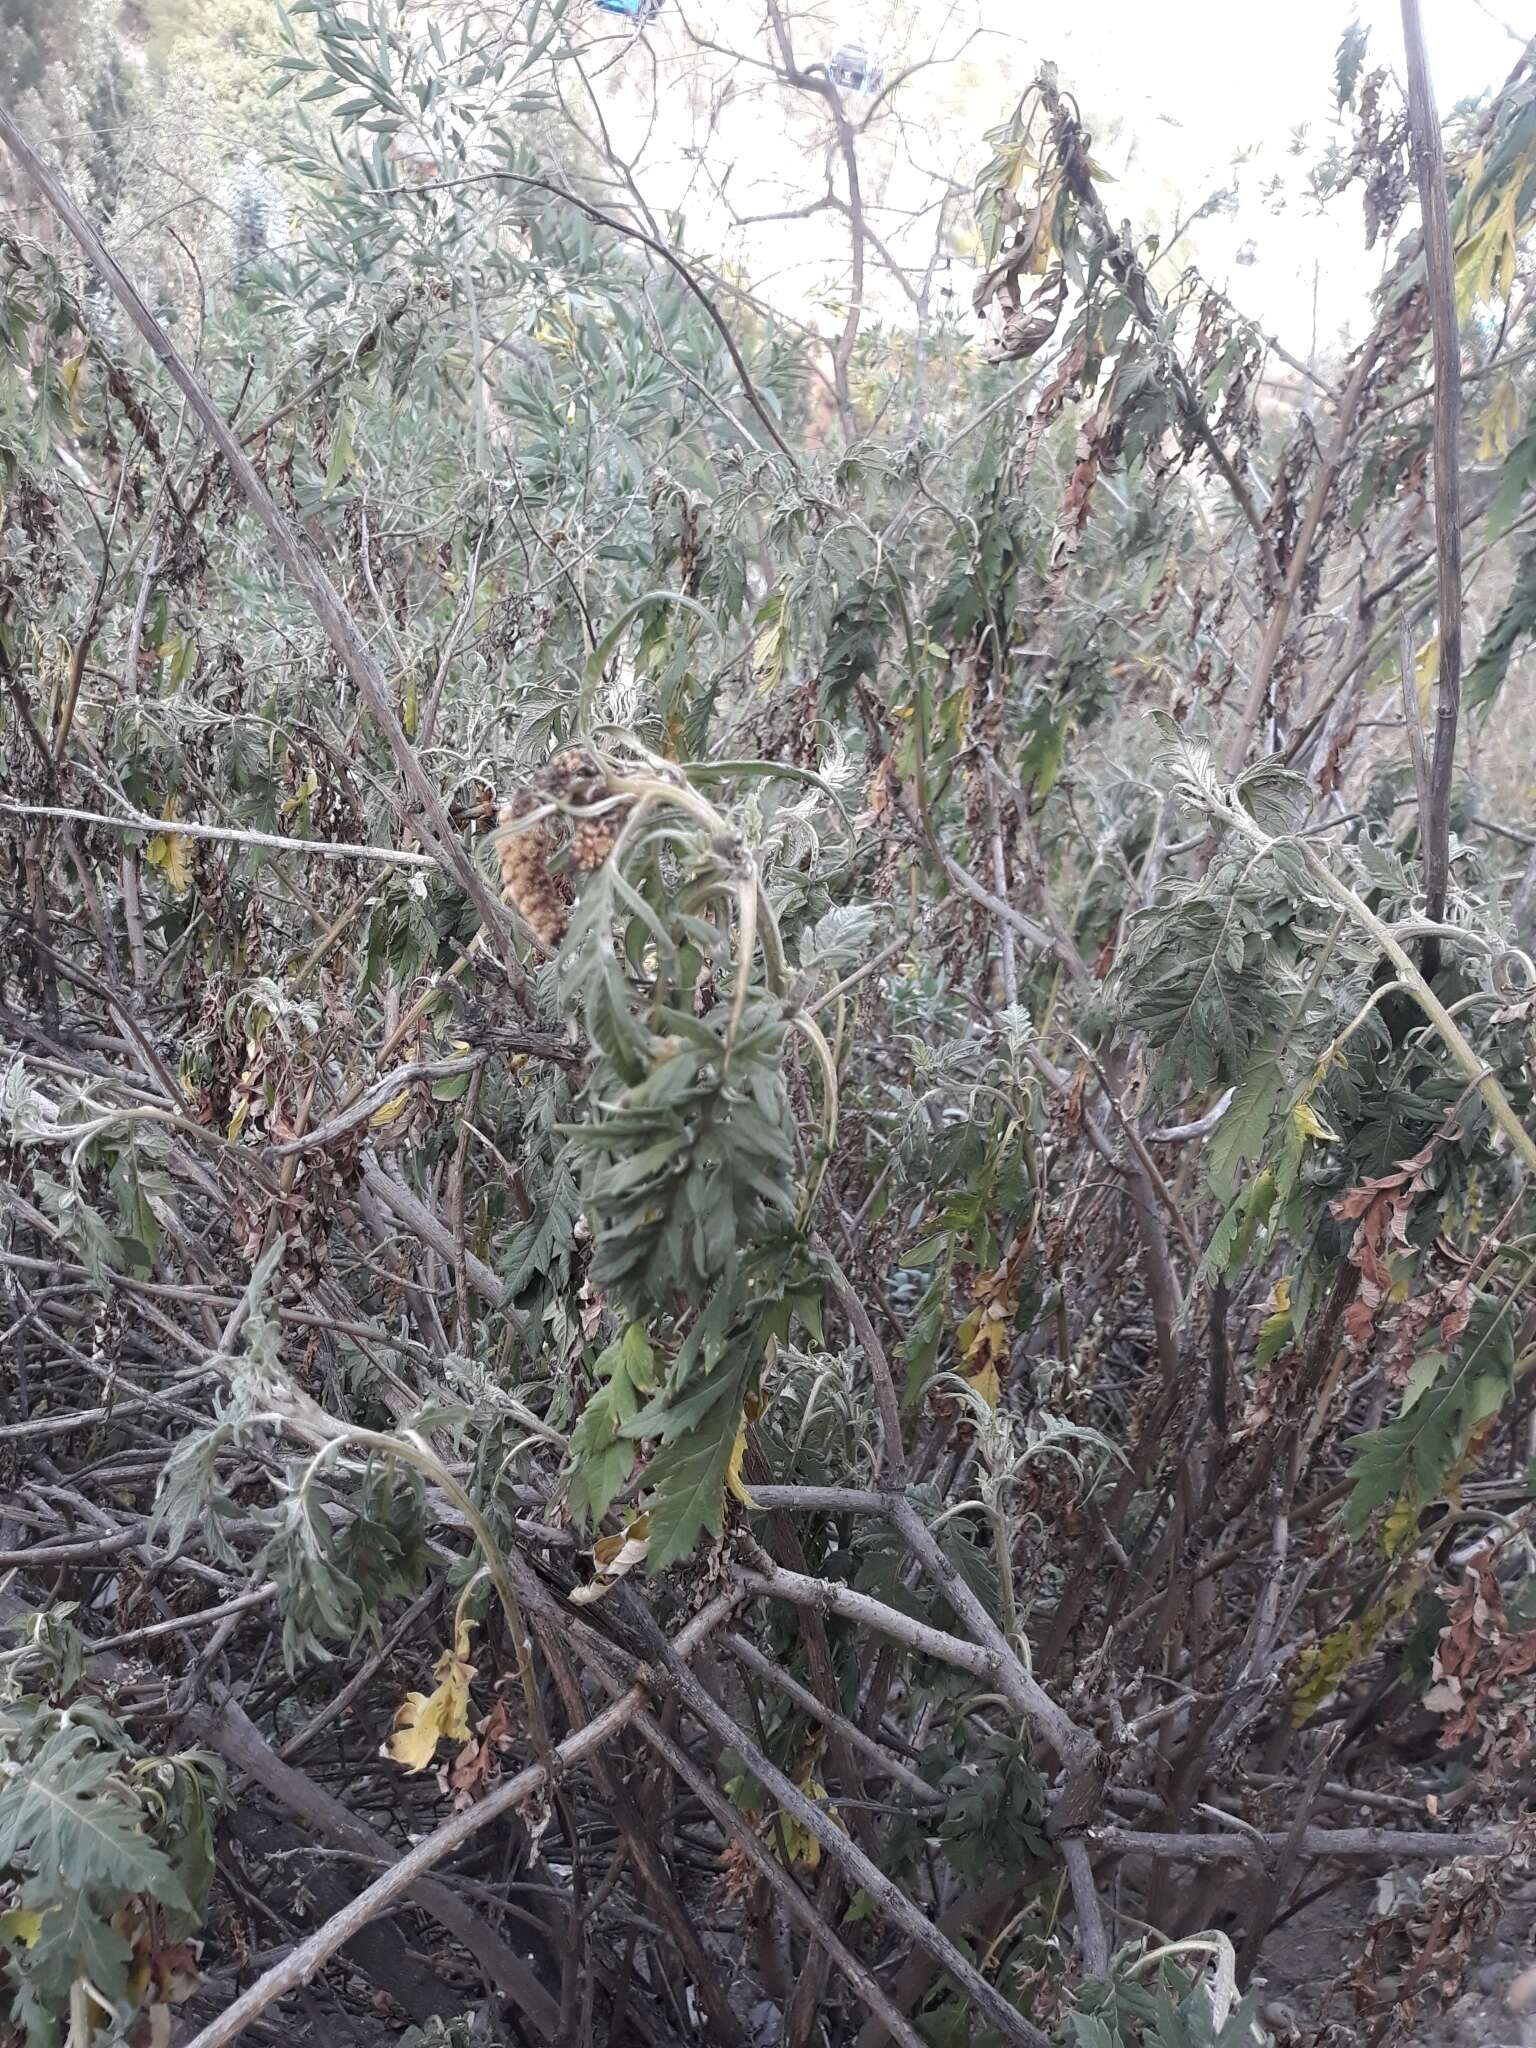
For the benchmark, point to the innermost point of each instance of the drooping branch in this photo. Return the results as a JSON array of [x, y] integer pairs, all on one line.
[[811, 1815], [1301, 553], [893, 1464]]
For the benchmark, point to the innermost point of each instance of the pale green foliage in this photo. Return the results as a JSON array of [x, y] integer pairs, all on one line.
[[88, 1826], [785, 732]]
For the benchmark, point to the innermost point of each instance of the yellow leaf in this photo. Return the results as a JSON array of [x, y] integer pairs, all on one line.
[[1426, 669], [733, 1480], [1283, 1296], [800, 1845], [1322, 1666], [69, 377], [20, 1927], [768, 647], [986, 1336], [1400, 1528], [988, 1383], [389, 1112], [1498, 422], [1485, 257], [1311, 1125], [301, 795], [614, 1557], [171, 852], [422, 1720]]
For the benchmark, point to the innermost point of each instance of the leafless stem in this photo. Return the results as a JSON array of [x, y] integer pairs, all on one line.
[[1440, 277]]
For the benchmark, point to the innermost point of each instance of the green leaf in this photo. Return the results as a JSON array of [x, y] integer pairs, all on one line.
[[1444, 1405], [75, 1939], [1347, 64], [1198, 978], [686, 1479], [602, 1458], [1239, 1137], [1515, 622], [66, 1816], [1276, 798]]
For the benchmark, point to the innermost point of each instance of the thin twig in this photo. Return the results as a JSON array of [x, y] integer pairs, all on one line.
[[894, 1461]]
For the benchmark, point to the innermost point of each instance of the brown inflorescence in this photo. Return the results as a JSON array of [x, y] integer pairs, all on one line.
[[592, 840], [525, 853], [576, 779]]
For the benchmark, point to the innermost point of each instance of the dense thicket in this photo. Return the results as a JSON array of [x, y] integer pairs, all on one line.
[[768, 1105]]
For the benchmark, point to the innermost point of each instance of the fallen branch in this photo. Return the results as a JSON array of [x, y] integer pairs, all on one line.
[[229, 1731], [1344, 1844], [812, 1815], [899, 1773], [1081, 1798], [227, 835], [916, 1636]]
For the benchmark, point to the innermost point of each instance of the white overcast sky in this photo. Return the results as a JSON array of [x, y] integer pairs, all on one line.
[[1178, 90], [1235, 76]]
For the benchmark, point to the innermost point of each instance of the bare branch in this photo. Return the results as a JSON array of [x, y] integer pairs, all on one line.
[[1440, 276]]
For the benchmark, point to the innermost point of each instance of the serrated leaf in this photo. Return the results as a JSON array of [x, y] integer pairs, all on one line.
[[76, 1941], [839, 937], [1515, 622], [1347, 63], [67, 1816], [601, 1458], [1239, 1137], [1196, 978], [1276, 798], [686, 1480], [1412, 1458]]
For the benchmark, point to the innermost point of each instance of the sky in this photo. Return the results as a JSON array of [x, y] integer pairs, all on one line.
[[1186, 97], [1197, 82]]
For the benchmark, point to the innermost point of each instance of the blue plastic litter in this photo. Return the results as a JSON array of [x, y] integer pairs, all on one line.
[[855, 70]]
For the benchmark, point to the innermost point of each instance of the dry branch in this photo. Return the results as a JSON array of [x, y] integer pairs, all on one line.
[[403, 1875], [1440, 282]]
